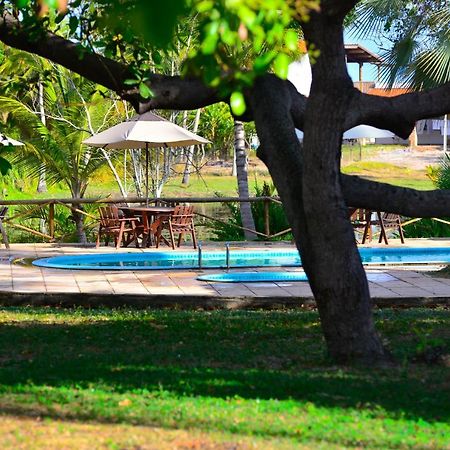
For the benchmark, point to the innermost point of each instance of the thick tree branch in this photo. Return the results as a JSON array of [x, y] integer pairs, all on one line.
[[398, 114], [338, 8], [376, 196], [297, 104], [170, 92]]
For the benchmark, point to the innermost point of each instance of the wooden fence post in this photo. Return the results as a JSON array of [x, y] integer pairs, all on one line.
[[266, 218], [51, 219]]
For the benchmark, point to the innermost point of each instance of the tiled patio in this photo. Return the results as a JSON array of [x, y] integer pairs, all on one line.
[[388, 282]]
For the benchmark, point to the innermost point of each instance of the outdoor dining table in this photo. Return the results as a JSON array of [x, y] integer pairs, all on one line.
[[151, 218]]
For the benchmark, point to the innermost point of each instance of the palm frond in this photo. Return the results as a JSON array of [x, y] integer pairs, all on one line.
[[372, 17], [25, 115]]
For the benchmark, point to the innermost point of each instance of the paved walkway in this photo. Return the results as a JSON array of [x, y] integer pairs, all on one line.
[[15, 277]]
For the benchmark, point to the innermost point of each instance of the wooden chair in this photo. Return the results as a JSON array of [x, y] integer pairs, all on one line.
[[122, 229], [361, 221], [3, 212], [387, 221], [181, 222]]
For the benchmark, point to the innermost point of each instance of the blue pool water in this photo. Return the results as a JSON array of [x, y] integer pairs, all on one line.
[[256, 277], [238, 258]]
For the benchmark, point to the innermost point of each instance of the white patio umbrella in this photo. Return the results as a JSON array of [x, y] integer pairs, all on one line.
[[366, 131], [145, 131], [359, 132], [5, 141]]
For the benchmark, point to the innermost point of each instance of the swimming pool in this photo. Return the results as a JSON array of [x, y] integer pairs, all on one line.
[[257, 277], [238, 258]]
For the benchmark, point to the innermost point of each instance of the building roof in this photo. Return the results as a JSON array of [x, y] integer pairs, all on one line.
[[387, 92], [358, 54]]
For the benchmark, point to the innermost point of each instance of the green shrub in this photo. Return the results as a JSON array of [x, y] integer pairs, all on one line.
[[64, 224], [277, 217], [426, 228], [228, 231], [443, 173]]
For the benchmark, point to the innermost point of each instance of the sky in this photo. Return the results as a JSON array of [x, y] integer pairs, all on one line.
[[300, 71], [369, 70]]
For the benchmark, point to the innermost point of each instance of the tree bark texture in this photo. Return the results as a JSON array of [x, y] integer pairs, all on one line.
[[322, 230], [330, 253], [78, 218], [242, 180]]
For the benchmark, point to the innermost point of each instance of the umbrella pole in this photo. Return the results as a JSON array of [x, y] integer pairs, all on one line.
[[146, 173]]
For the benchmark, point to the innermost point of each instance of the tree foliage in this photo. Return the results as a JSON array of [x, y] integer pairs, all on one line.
[[145, 35], [418, 37]]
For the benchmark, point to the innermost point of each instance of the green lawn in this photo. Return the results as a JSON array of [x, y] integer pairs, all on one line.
[[390, 173], [212, 180], [239, 376]]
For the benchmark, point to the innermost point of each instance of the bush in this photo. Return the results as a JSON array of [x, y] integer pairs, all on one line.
[[426, 228], [64, 224], [277, 217]]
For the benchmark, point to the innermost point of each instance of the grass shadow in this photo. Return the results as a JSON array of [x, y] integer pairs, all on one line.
[[52, 355]]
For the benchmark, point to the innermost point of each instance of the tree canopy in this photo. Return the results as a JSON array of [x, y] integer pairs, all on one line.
[[121, 45]]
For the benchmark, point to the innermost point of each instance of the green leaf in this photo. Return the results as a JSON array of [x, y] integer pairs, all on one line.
[[212, 28], [291, 40], [5, 166], [209, 44], [157, 57], [73, 24], [237, 103], [145, 91], [263, 61], [246, 15], [281, 65], [52, 4], [130, 82], [204, 6], [228, 37], [22, 3]]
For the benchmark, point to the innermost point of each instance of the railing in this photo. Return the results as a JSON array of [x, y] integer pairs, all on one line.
[[49, 227]]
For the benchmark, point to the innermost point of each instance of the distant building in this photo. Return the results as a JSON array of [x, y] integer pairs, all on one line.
[[426, 132]]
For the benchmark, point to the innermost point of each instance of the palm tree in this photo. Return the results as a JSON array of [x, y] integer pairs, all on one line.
[[56, 146], [21, 72], [420, 55], [32, 80]]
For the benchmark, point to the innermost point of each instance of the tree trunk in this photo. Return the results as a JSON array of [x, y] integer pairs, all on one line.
[[190, 151], [242, 180], [137, 173], [122, 190], [42, 184], [78, 217], [234, 166], [314, 204]]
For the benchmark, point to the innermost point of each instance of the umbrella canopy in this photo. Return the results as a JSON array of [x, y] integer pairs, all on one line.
[[145, 131], [359, 132], [5, 140], [366, 131]]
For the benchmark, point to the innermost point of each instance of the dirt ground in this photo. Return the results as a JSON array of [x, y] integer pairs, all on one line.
[[417, 159]]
